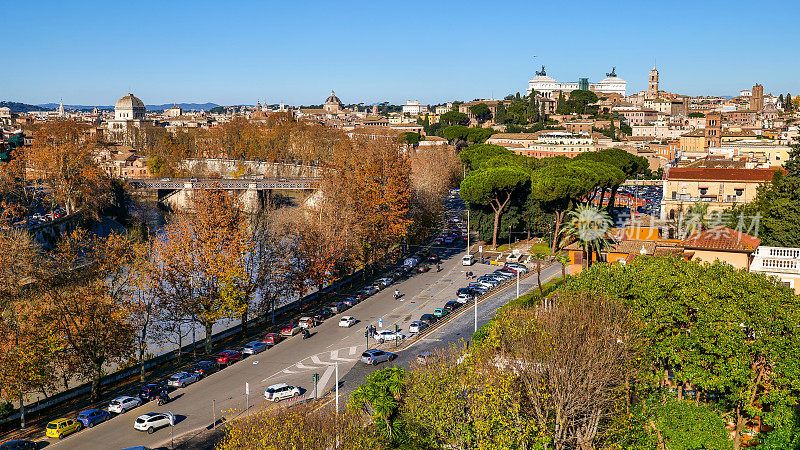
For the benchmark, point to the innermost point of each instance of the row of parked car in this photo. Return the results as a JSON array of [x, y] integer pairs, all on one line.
[[150, 422]]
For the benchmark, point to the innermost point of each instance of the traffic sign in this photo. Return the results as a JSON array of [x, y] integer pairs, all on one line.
[[480, 248], [247, 388], [380, 322], [171, 418], [315, 377]]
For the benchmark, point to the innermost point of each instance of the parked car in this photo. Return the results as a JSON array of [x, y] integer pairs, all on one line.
[[434, 258], [290, 329], [92, 417], [149, 391], [388, 335], [62, 427], [478, 288], [422, 269], [151, 422], [123, 404], [424, 357], [228, 357], [337, 307], [307, 322], [452, 304], [440, 312], [350, 301], [322, 314], [417, 326], [376, 356], [205, 368], [428, 319], [347, 321], [464, 295], [370, 290], [19, 444], [182, 379], [280, 391], [272, 338], [384, 282], [254, 348]]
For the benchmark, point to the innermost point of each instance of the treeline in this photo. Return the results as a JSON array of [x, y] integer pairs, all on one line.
[[510, 194], [659, 353], [93, 301]]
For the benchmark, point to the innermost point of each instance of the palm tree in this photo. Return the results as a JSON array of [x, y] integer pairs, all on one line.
[[590, 226], [698, 218], [539, 257], [564, 261]]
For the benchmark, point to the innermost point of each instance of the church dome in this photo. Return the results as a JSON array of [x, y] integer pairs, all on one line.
[[129, 101], [333, 99]]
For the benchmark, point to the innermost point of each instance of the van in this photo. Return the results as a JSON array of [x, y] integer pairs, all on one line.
[[467, 260]]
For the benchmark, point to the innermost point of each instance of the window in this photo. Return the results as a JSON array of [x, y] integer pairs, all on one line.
[[703, 191], [739, 192]]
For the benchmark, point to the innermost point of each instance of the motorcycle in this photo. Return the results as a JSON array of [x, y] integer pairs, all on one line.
[[162, 398], [306, 334]]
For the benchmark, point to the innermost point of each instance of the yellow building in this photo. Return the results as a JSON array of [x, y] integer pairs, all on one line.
[[693, 142]]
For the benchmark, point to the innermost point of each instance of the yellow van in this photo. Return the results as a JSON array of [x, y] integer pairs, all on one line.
[[62, 427]]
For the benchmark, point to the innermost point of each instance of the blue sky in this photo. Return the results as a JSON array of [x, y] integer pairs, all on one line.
[[232, 52]]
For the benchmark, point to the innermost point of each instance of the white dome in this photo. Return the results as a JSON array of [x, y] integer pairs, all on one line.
[[129, 101]]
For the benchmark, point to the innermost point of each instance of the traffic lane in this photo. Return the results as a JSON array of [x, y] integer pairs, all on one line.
[[195, 402], [457, 328]]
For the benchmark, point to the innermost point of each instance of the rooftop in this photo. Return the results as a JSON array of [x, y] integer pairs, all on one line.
[[721, 237], [721, 174]]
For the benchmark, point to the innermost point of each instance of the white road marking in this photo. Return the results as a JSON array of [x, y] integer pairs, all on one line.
[[324, 380], [302, 366], [315, 359], [353, 350]]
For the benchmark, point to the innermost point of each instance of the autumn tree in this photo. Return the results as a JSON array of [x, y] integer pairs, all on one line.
[[368, 183], [86, 285], [434, 170], [198, 262], [63, 155]]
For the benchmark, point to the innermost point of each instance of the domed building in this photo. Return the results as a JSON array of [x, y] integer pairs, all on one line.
[[129, 107], [333, 104], [129, 112]]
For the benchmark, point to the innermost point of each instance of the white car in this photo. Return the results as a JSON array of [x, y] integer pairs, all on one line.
[[182, 379], [280, 391], [347, 321], [417, 326], [150, 422], [123, 404], [388, 335]]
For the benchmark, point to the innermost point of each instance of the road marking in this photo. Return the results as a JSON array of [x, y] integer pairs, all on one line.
[[286, 371], [315, 359], [335, 356], [324, 380], [300, 365], [352, 350]]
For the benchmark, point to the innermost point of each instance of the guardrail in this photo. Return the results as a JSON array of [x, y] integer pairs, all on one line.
[[234, 184]]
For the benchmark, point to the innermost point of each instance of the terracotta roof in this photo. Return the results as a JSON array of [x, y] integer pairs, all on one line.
[[722, 238], [695, 133], [721, 174]]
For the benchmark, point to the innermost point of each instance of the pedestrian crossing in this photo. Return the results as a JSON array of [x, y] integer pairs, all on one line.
[[321, 361]]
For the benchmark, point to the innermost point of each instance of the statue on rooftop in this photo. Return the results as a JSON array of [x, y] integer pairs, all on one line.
[[613, 72], [541, 72]]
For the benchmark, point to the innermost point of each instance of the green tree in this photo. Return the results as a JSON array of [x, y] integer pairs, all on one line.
[[495, 187], [728, 333], [501, 116], [454, 118], [561, 106], [481, 112], [696, 115]]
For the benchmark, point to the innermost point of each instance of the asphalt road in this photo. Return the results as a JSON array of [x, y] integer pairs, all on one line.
[[295, 360], [292, 361]]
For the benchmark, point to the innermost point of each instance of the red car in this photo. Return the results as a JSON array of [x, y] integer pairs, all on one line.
[[272, 338], [228, 357]]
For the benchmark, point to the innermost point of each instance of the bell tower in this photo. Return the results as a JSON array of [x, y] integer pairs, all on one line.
[[652, 85]]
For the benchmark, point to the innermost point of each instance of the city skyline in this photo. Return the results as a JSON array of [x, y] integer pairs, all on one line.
[[295, 54]]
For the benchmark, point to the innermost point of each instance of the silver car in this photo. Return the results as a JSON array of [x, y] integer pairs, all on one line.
[[182, 379], [376, 356], [255, 347]]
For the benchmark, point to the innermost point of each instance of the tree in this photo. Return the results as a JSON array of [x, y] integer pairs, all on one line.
[[501, 116], [481, 112], [695, 115], [494, 186], [580, 101], [368, 185], [454, 118], [199, 261], [63, 155], [539, 257], [558, 187], [86, 286], [475, 155], [589, 226], [629, 164], [561, 106], [573, 362], [727, 333]]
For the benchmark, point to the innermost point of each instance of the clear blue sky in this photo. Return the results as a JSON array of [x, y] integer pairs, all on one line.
[[232, 52]]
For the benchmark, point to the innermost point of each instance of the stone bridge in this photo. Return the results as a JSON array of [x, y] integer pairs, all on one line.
[[177, 193]]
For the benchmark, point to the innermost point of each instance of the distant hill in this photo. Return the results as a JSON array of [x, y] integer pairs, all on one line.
[[185, 106], [17, 107]]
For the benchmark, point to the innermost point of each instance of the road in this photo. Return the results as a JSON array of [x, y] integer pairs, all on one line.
[[295, 360]]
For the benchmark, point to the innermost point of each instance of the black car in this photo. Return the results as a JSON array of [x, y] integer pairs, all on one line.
[[451, 305], [150, 391], [17, 444], [205, 368], [427, 318]]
